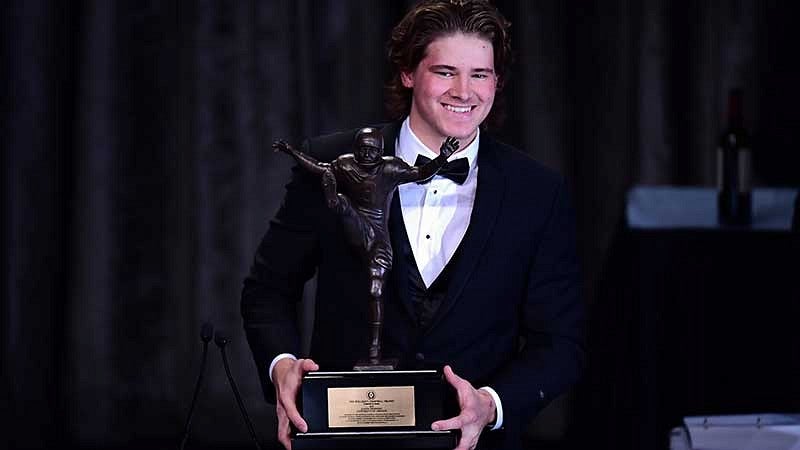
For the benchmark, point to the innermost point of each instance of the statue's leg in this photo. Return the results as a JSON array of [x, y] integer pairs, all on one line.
[[377, 279]]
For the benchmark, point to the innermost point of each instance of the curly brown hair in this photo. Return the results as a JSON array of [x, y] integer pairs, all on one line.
[[432, 19]]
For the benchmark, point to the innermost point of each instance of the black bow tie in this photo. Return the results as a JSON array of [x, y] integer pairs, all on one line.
[[456, 170]]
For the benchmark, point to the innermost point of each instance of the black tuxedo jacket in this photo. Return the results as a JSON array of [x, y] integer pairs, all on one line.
[[512, 318]]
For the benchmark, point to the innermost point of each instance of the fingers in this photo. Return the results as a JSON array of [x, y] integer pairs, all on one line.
[[280, 145], [449, 145], [462, 390], [283, 427], [287, 392], [290, 408], [454, 143], [289, 396], [453, 423], [308, 365], [469, 432], [456, 381], [469, 421]]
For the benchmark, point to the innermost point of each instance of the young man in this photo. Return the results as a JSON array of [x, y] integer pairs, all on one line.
[[484, 274]]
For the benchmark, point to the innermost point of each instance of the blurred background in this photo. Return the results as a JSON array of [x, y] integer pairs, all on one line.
[[138, 181]]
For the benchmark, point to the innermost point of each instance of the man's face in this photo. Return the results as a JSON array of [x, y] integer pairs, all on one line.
[[367, 154], [453, 89]]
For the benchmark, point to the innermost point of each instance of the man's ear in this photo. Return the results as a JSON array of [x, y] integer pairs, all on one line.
[[407, 79]]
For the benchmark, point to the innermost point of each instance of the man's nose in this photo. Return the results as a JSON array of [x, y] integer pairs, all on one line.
[[460, 88]]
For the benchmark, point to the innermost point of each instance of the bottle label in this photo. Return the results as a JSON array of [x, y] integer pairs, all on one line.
[[745, 170], [735, 173]]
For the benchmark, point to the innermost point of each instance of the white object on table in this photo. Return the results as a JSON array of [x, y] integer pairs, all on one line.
[[738, 432], [658, 207]]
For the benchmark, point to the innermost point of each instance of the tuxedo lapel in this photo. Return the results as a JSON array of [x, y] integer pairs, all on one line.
[[400, 267], [397, 229], [488, 202]]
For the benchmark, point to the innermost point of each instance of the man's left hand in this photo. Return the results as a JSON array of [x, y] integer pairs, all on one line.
[[477, 411]]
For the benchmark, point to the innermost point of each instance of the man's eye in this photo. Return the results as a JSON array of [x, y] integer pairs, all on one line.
[[445, 74]]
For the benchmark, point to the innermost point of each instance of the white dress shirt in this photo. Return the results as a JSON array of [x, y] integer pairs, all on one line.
[[436, 216]]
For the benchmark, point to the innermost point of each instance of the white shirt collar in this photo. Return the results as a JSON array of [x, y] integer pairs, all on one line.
[[409, 146]]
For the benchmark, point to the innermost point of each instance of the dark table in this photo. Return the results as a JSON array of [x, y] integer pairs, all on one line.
[[692, 318]]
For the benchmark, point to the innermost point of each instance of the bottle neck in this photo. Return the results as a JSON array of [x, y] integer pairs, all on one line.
[[735, 109]]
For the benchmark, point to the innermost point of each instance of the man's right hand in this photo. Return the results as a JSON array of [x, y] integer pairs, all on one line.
[[287, 375]]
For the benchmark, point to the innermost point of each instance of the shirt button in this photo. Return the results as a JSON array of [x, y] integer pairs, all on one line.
[[427, 236], [541, 395], [420, 357], [435, 191]]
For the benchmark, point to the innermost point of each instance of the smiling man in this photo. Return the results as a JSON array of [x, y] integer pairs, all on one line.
[[453, 88], [484, 276]]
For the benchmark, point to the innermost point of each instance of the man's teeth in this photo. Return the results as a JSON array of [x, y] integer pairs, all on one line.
[[458, 109]]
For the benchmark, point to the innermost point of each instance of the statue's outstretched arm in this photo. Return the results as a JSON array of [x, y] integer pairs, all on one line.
[[422, 173], [305, 161]]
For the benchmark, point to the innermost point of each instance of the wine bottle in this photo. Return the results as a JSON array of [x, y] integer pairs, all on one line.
[[734, 198]]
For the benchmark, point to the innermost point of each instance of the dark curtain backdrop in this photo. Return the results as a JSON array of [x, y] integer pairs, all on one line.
[[138, 179]]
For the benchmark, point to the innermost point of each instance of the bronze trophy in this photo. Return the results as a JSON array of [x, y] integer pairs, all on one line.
[[375, 404]]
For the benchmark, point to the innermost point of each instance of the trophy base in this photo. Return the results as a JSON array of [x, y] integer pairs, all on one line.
[[390, 409], [372, 440], [365, 365]]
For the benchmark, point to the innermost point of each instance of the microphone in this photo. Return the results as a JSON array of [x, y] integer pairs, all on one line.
[[206, 332], [221, 340]]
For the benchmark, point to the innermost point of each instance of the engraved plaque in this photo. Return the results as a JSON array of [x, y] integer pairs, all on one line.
[[375, 410], [375, 406]]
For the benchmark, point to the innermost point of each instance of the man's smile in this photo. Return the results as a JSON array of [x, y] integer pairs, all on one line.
[[458, 109]]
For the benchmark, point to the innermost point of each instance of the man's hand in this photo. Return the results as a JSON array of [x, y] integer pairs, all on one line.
[[449, 146], [477, 411], [282, 146], [287, 376]]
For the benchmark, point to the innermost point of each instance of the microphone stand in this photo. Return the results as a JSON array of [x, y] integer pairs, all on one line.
[[221, 342], [206, 332]]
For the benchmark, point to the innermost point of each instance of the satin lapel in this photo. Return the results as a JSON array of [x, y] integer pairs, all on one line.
[[397, 228], [488, 202], [400, 269]]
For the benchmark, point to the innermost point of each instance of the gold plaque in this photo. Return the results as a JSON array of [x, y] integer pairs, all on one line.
[[375, 406]]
